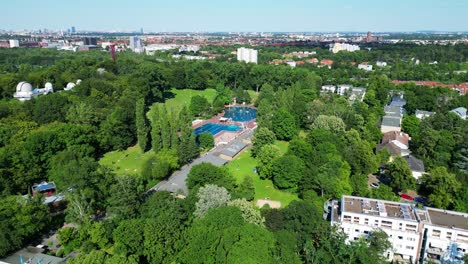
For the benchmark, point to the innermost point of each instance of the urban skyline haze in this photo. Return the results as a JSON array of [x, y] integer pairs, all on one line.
[[241, 15]]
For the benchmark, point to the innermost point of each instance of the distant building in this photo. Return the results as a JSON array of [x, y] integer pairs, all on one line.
[[393, 114], [135, 44], [14, 43], [342, 89], [369, 37], [329, 88], [337, 47], [326, 62], [420, 114], [189, 48], [381, 64], [357, 94], [73, 30], [460, 111], [291, 63], [417, 235], [365, 66], [90, 41], [247, 55], [25, 91]]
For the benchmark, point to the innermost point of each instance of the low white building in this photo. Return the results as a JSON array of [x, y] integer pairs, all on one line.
[[416, 235], [365, 67], [188, 48], [381, 64], [420, 114], [291, 63], [329, 88], [337, 47]]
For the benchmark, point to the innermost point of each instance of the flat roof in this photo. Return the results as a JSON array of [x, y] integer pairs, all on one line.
[[448, 218], [391, 121], [236, 147], [375, 207]]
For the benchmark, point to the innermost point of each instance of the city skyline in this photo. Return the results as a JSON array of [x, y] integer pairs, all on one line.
[[241, 16]]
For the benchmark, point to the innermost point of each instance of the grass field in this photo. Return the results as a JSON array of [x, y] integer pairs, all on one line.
[[128, 161], [243, 166], [183, 97]]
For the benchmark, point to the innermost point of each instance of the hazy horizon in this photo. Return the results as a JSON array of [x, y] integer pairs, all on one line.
[[240, 16]]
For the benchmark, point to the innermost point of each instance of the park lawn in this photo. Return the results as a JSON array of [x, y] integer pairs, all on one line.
[[243, 166], [282, 145], [125, 162], [183, 97]]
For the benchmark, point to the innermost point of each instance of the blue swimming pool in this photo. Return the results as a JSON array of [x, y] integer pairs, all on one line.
[[240, 113], [214, 129]]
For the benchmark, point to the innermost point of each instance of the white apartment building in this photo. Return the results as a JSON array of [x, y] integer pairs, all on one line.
[[416, 235], [14, 43], [337, 47], [247, 55]]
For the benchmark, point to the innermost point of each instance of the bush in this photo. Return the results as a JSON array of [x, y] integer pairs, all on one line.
[[205, 140]]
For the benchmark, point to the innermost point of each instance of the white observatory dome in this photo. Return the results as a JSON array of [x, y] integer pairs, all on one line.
[[78, 81], [70, 85], [24, 87], [48, 85]]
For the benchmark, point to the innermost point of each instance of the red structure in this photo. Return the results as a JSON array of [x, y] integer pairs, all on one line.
[[369, 36], [112, 51]]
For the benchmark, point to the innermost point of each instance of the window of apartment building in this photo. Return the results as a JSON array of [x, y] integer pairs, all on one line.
[[366, 232], [386, 223], [410, 247], [411, 228], [449, 235], [356, 219], [436, 233], [347, 218], [463, 238], [366, 221], [400, 237], [376, 222], [356, 230], [411, 239]]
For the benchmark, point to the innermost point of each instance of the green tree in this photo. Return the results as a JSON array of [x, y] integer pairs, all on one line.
[[266, 158], [284, 125], [287, 171], [199, 105], [330, 123], [410, 125], [210, 196], [263, 136], [205, 140], [441, 187], [207, 173], [156, 127], [400, 174], [246, 189], [249, 213], [143, 130]]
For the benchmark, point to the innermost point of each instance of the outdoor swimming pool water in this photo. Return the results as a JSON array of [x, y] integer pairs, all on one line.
[[240, 113], [214, 129]]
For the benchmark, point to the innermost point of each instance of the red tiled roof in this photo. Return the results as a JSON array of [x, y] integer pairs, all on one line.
[[326, 62], [462, 87]]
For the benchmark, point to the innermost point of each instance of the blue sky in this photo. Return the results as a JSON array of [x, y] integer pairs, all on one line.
[[236, 15]]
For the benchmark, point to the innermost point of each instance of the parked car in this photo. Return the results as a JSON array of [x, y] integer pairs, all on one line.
[[406, 197], [374, 185], [420, 200]]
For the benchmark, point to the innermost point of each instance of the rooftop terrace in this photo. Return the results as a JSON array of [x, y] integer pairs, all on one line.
[[376, 207]]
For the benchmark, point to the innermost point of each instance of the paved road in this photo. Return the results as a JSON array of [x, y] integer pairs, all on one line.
[[176, 183]]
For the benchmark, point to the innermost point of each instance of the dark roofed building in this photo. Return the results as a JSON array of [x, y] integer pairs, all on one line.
[[416, 166], [32, 255]]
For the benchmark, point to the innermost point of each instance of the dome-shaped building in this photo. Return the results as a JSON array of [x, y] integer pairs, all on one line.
[[48, 85], [70, 86], [78, 81], [24, 87]]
